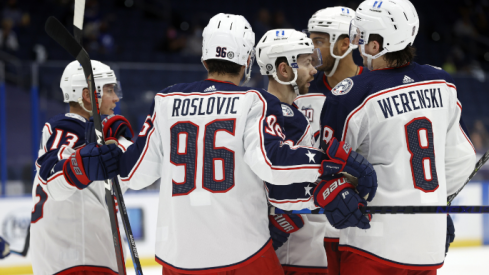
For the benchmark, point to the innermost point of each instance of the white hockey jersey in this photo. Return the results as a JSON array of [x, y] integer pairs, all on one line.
[[70, 228], [407, 123], [212, 151]]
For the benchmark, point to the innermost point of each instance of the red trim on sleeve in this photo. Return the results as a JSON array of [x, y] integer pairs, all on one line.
[[305, 133], [387, 262], [289, 201], [215, 270], [460, 126], [49, 128]]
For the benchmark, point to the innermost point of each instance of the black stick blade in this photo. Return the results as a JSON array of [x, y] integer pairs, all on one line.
[[62, 36]]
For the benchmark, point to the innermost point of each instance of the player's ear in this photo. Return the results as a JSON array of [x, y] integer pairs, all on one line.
[[343, 45], [86, 96], [282, 70]]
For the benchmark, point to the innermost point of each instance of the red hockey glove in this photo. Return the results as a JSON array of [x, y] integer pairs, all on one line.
[[342, 159]]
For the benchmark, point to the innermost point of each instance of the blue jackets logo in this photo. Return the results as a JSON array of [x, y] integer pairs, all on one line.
[[343, 87], [287, 111]]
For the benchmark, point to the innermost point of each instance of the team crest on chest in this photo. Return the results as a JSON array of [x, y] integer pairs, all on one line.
[[343, 87], [287, 111]]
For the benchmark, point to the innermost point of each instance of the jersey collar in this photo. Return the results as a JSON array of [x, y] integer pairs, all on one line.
[[214, 80], [391, 68], [325, 79]]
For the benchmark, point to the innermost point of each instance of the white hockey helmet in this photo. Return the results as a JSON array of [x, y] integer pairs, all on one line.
[[287, 43], [334, 21], [229, 37], [395, 20], [73, 81]]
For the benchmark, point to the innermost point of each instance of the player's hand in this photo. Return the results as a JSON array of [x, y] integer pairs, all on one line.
[[114, 126], [92, 162], [342, 159], [450, 233], [4, 248], [281, 226], [341, 203]]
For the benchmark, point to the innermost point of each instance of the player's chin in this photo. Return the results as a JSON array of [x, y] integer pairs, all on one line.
[[304, 89], [108, 112]]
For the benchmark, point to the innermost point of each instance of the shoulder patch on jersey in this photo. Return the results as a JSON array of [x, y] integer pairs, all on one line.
[[343, 87], [79, 117], [287, 111]]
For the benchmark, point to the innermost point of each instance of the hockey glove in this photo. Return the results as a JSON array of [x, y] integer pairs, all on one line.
[[450, 233], [114, 126], [342, 159], [341, 203], [92, 162], [281, 226], [4, 248]]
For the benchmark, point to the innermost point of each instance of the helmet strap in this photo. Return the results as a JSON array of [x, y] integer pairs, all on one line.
[[336, 62], [338, 58], [292, 82], [80, 101]]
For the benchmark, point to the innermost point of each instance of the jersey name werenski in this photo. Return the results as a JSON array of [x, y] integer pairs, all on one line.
[[411, 101], [199, 106]]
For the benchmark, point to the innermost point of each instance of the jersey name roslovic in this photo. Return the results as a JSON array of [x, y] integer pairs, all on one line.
[[212, 149]]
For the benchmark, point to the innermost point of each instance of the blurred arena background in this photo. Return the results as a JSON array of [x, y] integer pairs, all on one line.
[[152, 44]]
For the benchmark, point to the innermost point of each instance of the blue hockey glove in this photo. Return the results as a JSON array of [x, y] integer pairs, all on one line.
[[4, 248], [341, 203], [114, 126], [342, 159], [450, 233], [281, 226], [92, 162]]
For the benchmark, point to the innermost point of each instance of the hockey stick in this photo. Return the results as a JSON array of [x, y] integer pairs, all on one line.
[[460, 209], [478, 165], [77, 31], [78, 19], [26, 244], [61, 35]]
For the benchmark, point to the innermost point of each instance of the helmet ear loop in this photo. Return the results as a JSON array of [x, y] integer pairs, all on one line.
[[292, 82], [80, 102], [250, 66], [337, 58]]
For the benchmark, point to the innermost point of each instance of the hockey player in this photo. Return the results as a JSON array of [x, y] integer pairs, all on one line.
[[329, 28], [406, 120], [303, 252], [70, 227]]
